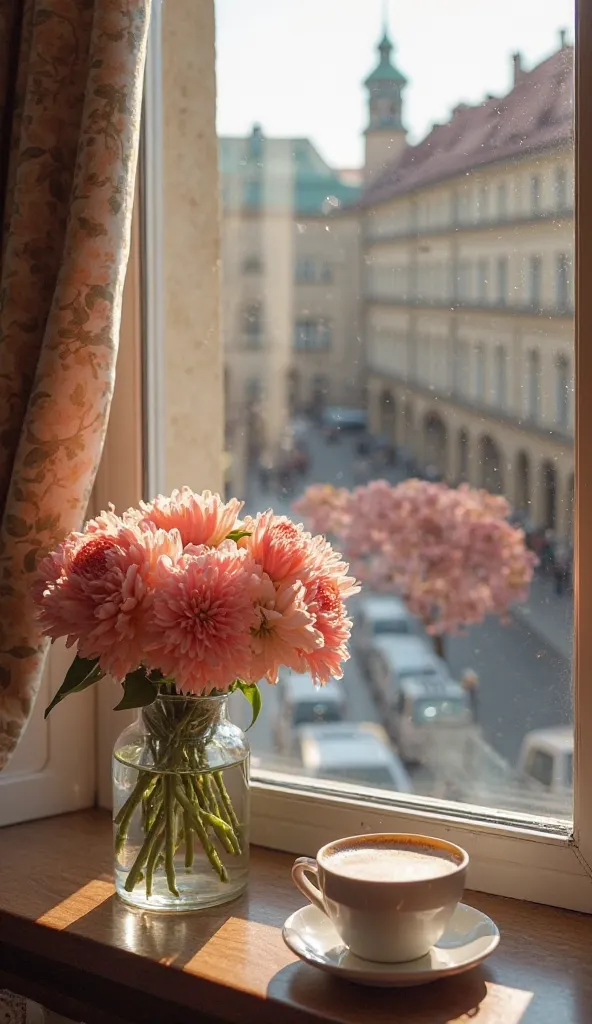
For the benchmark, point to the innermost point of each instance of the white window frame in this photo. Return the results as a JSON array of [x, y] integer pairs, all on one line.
[[544, 862]]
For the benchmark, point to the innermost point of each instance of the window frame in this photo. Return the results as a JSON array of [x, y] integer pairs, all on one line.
[[545, 862]]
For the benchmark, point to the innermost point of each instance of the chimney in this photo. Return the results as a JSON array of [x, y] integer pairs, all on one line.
[[517, 65], [562, 38]]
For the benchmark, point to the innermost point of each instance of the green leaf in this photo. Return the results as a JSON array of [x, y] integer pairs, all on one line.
[[253, 694], [83, 672], [237, 535], [138, 691]]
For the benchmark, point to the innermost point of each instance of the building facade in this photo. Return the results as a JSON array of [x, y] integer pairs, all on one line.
[[468, 296], [290, 293]]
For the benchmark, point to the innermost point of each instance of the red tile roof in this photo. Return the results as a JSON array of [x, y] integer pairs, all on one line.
[[537, 114]]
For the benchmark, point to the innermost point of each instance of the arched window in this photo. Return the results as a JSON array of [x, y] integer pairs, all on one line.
[[522, 497]]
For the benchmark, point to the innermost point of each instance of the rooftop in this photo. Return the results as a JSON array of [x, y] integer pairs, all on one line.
[[259, 173], [537, 114]]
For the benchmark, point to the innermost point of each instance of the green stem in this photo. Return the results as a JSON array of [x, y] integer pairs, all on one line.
[[144, 785], [207, 800], [153, 857], [145, 850], [188, 835], [226, 801], [202, 834], [169, 834]]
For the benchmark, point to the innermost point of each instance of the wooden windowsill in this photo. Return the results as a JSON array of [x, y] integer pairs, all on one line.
[[66, 940]]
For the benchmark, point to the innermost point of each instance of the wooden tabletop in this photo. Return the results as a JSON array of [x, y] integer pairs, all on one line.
[[67, 940]]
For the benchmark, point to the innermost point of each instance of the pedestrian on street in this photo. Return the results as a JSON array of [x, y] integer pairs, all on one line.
[[470, 684], [561, 569]]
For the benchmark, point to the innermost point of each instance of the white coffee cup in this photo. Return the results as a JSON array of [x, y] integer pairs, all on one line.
[[390, 896]]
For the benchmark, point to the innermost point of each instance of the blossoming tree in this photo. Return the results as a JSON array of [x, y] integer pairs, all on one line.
[[450, 553]]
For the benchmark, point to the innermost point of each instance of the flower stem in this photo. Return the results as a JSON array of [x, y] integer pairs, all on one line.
[[196, 820], [169, 839], [226, 801], [188, 835], [145, 850], [144, 786]]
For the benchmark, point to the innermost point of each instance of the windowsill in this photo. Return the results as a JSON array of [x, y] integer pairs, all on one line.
[[67, 941]]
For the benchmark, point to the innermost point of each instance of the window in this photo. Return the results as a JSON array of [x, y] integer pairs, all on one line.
[[311, 335], [540, 768], [483, 203], [502, 280], [482, 280], [535, 193], [534, 281], [562, 282], [502, 201], [326, 273], [480, 363], [305, 271], [562, 392], [252, 321], [252, 265], [291, 811], [500, 392], [560, 188], [533, 371], [464, 281]]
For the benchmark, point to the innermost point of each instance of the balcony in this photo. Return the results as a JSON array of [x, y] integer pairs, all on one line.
[[461, 226], [455, 304]]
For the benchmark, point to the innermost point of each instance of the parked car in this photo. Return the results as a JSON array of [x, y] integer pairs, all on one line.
[[546, 759], [351, 752], [380, 615], [392, 658], [430, 720], [300, 702], [337, 417]]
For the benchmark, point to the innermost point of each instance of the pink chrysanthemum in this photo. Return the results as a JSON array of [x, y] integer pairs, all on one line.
[[97, 587], [280, 546], [200, 518], [284, 630], [202, 617], [325, 604]]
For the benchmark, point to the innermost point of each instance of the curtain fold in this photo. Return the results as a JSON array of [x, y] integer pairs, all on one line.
[[71, 75]]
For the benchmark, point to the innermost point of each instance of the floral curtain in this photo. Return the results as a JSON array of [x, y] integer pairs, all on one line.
[[70, 89]]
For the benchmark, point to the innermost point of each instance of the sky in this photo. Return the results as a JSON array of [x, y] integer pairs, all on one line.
[[296, 66]]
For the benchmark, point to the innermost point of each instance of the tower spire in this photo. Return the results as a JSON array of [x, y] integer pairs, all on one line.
[[385, 134]]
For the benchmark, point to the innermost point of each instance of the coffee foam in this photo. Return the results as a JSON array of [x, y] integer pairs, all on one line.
[[384, 860]]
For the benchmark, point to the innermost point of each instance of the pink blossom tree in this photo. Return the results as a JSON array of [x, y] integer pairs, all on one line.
[[450, 553]]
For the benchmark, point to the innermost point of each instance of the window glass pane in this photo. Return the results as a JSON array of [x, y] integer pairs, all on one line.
[[398, 255]]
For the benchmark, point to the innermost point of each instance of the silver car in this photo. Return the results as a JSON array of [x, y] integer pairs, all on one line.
[[351, 752]]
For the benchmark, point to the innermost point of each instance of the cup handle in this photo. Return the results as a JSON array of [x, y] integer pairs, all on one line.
[[300, 869]]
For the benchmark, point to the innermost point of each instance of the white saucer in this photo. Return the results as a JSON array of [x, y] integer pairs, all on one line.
[[470, 937]]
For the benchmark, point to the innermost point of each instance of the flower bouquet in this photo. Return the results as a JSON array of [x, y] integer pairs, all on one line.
[[184, 603]]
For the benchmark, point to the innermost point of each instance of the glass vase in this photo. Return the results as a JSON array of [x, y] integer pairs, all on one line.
[[181, 806]]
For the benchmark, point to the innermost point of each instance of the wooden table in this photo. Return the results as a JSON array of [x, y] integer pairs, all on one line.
[[67, 941]]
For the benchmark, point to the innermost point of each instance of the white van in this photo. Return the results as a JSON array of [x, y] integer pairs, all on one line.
[[352, 752], [391, 659], [430, 721], [379, 615], [546, 760]]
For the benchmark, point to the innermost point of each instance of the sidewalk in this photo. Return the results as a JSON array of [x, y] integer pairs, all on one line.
[[548, 616]]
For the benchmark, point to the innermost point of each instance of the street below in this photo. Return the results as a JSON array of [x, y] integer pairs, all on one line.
[[524, 682]]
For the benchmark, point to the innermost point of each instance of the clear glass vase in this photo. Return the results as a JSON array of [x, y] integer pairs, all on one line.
[[181, 806]]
